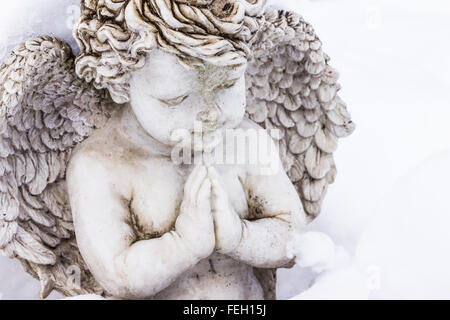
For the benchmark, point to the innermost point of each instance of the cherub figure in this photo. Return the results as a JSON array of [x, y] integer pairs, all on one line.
[[91, 199]]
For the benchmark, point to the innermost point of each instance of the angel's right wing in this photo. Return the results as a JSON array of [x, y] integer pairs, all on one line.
[[45, 111]]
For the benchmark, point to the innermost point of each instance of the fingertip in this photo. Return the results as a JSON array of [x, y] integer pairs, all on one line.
[[204, 171], [206, 186]]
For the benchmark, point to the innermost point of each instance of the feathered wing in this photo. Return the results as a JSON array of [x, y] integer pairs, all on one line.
[[45, 111], [292, 88]]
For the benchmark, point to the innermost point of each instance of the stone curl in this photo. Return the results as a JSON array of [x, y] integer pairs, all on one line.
[[115, 35]]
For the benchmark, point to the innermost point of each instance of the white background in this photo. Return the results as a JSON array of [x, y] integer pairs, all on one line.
[[389, 206]]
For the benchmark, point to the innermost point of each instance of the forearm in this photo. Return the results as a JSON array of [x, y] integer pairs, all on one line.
[[149, 266], [263, 243]]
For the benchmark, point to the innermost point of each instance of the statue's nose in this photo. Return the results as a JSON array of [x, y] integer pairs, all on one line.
[[210, 114]]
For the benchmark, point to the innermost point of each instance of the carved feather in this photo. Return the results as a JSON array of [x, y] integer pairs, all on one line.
[[45, 111]]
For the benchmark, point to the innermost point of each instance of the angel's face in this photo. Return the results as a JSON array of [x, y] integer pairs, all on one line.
[[168, 97]]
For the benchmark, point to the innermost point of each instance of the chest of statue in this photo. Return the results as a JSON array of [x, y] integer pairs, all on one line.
[[157, 193]]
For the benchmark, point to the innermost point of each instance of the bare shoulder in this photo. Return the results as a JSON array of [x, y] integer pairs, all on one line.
[[249, 124], [95, 152], [256, 130], [99, 158]]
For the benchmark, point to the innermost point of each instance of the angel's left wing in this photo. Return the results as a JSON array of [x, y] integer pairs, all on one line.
[[292, 88], [45, 111]]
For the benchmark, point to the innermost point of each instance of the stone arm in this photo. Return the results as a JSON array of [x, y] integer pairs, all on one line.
[[275, 213], [125, 267]]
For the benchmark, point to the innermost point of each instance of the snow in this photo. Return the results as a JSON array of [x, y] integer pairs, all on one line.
[[16, 284], [383, 232], [23, 20], [395, 77], [336, 274], [337, 284], [412, 253], [317, 251]]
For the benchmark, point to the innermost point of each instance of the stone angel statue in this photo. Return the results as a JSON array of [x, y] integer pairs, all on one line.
[[87, 181]]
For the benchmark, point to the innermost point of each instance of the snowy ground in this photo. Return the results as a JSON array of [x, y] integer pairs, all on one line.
[[388, 208]]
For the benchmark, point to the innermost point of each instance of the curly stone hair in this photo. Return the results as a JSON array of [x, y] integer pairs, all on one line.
[[115, 35]]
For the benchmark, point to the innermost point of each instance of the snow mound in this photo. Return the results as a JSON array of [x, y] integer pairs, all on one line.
[[317, 251], [337, 277], [403, 254]]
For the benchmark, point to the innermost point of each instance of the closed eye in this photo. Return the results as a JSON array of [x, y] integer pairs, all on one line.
[[175, 101]]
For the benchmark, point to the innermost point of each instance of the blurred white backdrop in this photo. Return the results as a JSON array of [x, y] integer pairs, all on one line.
[[389, 205]]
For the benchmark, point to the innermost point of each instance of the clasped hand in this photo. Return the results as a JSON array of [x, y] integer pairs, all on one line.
[[207, 221]]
